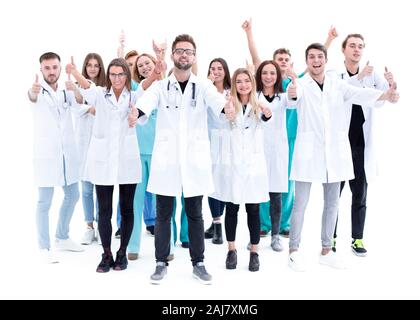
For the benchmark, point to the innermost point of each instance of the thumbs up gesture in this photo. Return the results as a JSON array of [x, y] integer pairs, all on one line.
[[132, 116], [265, 110], [389, 77], [36, 87], [292, 89], [35, 90], [71, 67], [230, 110], [392, 95], [367, 71]]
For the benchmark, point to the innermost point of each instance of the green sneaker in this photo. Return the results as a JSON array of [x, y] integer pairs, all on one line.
[[358, 248], [334, 245]]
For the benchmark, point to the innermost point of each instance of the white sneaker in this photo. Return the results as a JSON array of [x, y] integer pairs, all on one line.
[[332, 260], [68, 245], [47, 257], [296, 262], [276, 244], [89, 236]]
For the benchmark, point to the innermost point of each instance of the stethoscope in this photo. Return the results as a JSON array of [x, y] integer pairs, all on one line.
[[193, 95], [65, 104]]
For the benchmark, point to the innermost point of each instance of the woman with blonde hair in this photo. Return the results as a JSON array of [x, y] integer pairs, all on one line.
[[242, 178]]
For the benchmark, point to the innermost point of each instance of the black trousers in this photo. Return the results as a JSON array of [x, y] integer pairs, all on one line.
[[164, 210], [358, 187], [104, 195], [275, 212], [231, 221]]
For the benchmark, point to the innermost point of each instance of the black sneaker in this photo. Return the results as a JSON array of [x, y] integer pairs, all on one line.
[[201, 274], [208, 234], [334, 245], [185, 245], [160, 273], [121, 262], [254, 262], [118, 234], [358, 248], [106, 263], [151, 230], [231, 260]]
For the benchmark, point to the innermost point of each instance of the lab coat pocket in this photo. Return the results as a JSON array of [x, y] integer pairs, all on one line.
[[201, 154], [99, 149], [343, 145], [160, 154], [304, 146], [131, 148], [46, 148]]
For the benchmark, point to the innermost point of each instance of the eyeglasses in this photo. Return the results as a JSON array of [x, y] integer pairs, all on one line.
[[180, 51], [117, 75]]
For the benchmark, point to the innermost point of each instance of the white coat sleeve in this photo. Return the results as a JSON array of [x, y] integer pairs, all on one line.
[[361, 96], [149, 100], [90, 94], [213, 99]]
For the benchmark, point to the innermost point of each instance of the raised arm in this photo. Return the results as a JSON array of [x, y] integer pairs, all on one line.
[[247, 26], [332, 34], [120, 50], [71, 69]]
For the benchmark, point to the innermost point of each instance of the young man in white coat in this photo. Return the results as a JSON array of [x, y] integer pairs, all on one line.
[[361, 135], [322, 150], [56, 161], [181, 161]]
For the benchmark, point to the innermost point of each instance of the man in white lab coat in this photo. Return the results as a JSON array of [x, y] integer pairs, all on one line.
[[181, 160], [361, 134], [56, 160], [322, 150]]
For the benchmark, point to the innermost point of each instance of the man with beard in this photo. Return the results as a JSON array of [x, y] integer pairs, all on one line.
[[181, 162], [56, 161]]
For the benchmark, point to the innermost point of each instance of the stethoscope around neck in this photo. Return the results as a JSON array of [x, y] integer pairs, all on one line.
[[65, 104], [193, 95]]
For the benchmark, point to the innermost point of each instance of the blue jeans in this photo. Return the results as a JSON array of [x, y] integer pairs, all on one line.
[[71, 196], [88, 202]]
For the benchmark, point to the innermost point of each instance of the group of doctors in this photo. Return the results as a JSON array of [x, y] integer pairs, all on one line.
[[242, 165]]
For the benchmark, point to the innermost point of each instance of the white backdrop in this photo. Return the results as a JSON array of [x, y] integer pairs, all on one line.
[[30, 28]]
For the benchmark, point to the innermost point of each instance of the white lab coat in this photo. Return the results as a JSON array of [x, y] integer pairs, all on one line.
[[113, 156], [181, 160], [376, 81], [84, 127], [54, 138], [276, 145], [241, 176], [322, 149]]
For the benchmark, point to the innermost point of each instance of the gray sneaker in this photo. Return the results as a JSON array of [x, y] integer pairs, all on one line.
[[200, 273], [276, 243], [160, 273]]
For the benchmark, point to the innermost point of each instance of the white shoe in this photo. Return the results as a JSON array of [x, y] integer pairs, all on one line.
[[332, 260], [276, 244], [47, 257], [296, 262], [68, 245], [89, 236]]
